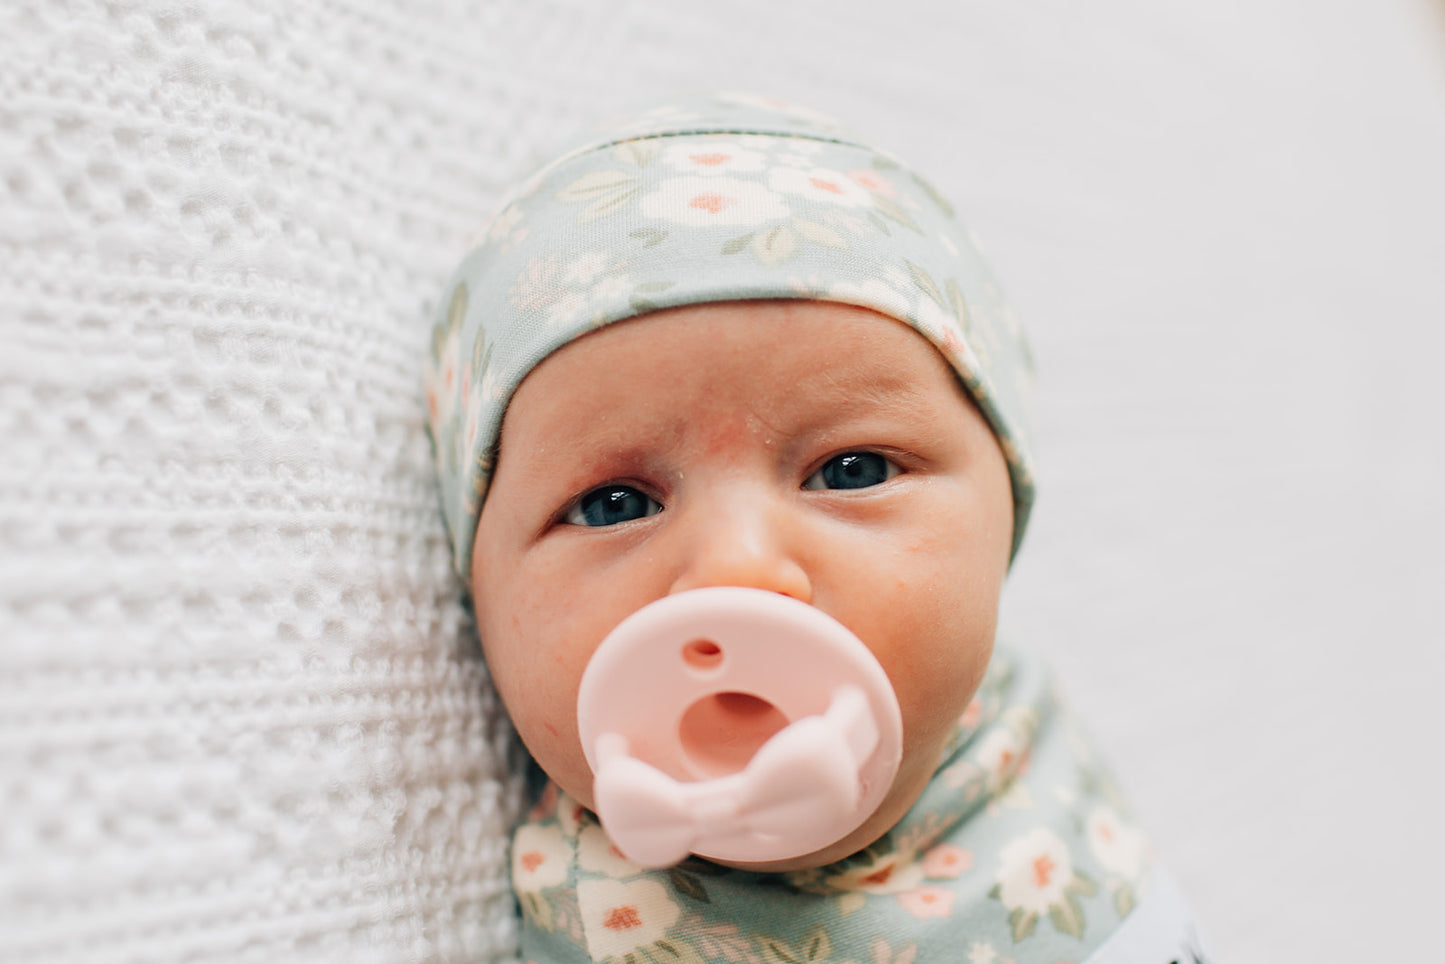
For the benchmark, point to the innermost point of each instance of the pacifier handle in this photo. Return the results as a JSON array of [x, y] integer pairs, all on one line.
[[736, 724]]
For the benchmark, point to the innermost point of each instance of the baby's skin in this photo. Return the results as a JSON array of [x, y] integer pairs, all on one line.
[[810, 448]]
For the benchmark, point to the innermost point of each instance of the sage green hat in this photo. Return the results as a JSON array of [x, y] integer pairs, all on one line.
[[723, 198]]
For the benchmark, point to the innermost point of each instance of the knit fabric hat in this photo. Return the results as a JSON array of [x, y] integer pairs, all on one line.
[[723, 198]]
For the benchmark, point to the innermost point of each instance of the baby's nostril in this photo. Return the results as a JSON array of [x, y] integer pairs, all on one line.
[[703, 655]]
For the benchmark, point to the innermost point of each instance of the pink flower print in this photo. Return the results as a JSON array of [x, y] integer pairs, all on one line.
[[712, 156], [820, 184], [1036, 879], [888, 874], [883, 954], [1034, 870], [947, 860], [722, 200], [539, 857], [926, 902], [874, 182], [1120, 848], [618, 918]]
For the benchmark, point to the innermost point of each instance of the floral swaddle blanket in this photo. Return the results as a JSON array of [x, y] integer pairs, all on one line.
[[1020, 850]]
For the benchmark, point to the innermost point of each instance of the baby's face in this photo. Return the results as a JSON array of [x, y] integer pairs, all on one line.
[[813, 449]]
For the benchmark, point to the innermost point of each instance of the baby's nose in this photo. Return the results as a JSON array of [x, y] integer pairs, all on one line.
[[746, 547]]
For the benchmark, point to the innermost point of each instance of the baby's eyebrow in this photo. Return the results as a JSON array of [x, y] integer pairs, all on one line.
[[881, 389]]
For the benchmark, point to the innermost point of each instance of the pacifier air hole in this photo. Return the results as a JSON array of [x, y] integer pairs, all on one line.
[[720, 732], [703, 655]]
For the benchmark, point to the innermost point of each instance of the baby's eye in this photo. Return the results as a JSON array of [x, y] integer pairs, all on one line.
[[852, 470], [611, 504]]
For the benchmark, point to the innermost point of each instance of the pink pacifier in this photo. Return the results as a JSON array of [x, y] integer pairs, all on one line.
[[735, 724]]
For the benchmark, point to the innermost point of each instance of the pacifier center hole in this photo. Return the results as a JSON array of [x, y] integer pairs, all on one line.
[[720, 732], [703, 655]]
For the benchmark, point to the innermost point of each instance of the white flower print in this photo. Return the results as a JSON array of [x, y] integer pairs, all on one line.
[[999, 754], [697, 200], [536, 285], [943, 329], [610, 288], [712, 156], [800, 153], [875, 182], [618, 917], [504, 222], [926, 902], [946, 860], [565, 309], [539, 857], [871, 293], [597, 854], [1036, 878], [1034, 872], [444, 379], [1119, 847], [820, 184], [982, 952], [585, 268]]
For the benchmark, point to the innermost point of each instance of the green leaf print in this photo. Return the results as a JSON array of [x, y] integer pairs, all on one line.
[[926, 284], [820, 234], [671, 952], [457, 310], [819, 948], [879, 223], [775, 246], [934, 196], [816, 947], [1082, 884], [956, 304], [650, 237], [737, 244], [1022, 923], [537, 909], [688, 886], [481, 356], [891, 210], [1124, 900], [1068, 916], [639, 152], [602, 191], [776, 952]]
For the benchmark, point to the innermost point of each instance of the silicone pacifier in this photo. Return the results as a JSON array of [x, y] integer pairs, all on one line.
[[735, 724]]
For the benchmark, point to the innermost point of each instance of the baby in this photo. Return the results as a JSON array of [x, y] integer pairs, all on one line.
[[816, 391]]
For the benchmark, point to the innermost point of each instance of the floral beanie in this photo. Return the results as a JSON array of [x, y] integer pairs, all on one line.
[[724, 198]]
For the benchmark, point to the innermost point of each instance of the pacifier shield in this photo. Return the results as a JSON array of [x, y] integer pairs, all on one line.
[[738, 724]]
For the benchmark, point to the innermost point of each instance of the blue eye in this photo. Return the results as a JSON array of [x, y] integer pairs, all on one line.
[[852, 470], [611, 504]]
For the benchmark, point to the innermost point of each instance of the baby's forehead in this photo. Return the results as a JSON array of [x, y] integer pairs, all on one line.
[[722, 198]]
